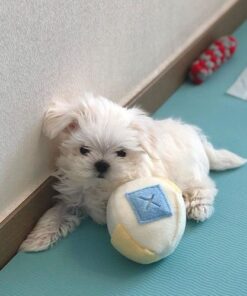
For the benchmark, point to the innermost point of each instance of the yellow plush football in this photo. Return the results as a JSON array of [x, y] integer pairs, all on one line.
[[146, 219]]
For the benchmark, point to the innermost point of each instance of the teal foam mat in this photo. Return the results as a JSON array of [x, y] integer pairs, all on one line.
[[212, 257]]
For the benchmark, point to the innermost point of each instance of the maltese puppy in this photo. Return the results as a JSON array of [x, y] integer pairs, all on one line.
[[103, 145]]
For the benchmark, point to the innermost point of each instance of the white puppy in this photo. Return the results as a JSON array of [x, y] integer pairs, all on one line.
[[103, 145]]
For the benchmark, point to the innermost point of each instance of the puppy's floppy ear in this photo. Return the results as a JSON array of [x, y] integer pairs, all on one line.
[[141, 123], [60, 116], [148, 142], [63, 115]]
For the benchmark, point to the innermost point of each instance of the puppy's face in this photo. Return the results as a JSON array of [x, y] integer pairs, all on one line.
[[106, 150], [99, 141]]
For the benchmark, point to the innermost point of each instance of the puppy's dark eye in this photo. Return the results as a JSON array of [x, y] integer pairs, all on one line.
[[84, 150], [121, 153]]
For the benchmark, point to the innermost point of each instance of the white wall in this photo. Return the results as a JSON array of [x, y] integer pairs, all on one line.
[[64, 47]]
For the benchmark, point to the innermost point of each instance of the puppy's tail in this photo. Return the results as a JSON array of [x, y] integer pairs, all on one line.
[[221, 159]]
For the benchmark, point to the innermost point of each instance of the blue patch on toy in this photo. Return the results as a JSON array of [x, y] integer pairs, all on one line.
[[149, 204]]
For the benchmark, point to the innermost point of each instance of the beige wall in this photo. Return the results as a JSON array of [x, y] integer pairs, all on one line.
[[63, 47]]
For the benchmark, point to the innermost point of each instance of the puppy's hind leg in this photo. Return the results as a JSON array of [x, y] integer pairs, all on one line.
[[199, 199], [57, 222]]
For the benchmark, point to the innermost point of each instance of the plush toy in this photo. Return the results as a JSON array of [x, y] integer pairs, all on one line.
[[212, 58], [146, 219]]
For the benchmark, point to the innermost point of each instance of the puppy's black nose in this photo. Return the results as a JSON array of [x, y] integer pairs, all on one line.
[[101, 166]]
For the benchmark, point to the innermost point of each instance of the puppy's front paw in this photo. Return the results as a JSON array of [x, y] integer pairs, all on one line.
[[37, 242], [56, 223], [198, 207], [200, 212]]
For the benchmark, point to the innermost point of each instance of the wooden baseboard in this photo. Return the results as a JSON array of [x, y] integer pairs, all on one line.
[[16, 226]]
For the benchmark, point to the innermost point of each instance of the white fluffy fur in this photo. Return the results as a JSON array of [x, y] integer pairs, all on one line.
[[166, 148]]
